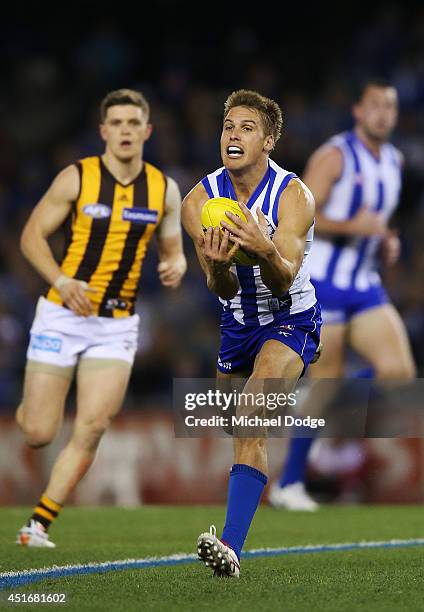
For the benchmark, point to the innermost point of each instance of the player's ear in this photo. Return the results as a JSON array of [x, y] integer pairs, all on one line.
[[356, 112], [148, 132], [102, 130], [269, 143]]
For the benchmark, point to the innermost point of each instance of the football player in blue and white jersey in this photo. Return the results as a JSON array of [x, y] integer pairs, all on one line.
[[356, 180], [270, 319]]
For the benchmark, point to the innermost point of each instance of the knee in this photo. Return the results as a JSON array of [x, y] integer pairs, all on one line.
[[397, 372], [36, 436], [88, 432]]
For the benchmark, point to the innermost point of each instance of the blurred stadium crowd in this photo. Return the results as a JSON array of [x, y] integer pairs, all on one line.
[[49, 119]]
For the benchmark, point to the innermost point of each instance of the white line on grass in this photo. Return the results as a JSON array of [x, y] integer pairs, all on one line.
[[10, 580]]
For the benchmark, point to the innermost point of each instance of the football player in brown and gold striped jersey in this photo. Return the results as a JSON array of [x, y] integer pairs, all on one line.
[[113, 204]]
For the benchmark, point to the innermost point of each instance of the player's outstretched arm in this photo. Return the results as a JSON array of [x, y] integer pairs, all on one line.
[[295, 216], [211, 248], [323, 169], [172, 263], [48, 215]]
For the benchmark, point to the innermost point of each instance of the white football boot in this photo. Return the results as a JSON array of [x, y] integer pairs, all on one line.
[[34, 535], [218, 556], [291, 497]]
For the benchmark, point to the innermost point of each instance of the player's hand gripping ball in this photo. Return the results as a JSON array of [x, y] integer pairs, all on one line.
[[213, 212]]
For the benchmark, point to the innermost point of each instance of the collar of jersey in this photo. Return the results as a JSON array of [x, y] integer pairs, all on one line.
[[232, 193]]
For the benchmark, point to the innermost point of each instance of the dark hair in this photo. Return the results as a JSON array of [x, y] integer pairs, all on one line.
[[123, 96], [268, 110], [362, 86]]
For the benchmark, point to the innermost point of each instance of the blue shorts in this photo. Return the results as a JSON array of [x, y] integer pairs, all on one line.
[[241, 343], [340, 305]]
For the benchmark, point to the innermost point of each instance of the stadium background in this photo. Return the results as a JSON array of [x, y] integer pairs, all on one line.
[[55, 79]]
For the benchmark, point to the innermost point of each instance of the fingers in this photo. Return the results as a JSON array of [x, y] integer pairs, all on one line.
[[74, 296], [233, 250], [223, 249], [237, 231], [79, 303], [261, 218], [236, 220], [163, 266], [215, 239], [245, 210], [208, 239]]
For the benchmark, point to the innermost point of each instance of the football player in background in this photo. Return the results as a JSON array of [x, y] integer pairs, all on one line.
[[114, 204], [356, 180]]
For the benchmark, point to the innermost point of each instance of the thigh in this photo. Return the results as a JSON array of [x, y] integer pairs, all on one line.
[[331, 361], [101, 388], [379, 336], [277, 361], [44, 398]]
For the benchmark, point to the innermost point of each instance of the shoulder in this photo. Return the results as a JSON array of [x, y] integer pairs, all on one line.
[[330, 154], [173, 194], [297, 194], [396, 155], [297, 204], [192, 208], [196, 197], [66, 184]]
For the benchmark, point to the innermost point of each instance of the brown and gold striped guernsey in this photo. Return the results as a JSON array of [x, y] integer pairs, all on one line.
[[111, 227]]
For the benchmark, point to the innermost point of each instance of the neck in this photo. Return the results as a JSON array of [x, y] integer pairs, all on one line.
[[372, 144], [124, 171], [245, 181]]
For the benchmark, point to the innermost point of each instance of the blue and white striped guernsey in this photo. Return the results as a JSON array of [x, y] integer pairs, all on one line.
[[254, 303], [350, 263]]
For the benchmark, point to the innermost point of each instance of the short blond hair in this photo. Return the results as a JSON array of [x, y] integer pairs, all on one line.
[[124, 96], [269, 111]]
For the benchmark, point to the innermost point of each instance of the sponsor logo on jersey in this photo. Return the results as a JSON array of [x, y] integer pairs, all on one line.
[[276, 303], [140, 215], [226, 365], [97, 211], [46, 343], [116, 304]]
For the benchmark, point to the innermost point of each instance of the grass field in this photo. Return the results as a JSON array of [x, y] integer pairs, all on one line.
[[371, 579]]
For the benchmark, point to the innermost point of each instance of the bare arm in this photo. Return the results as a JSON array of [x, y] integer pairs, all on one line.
[[295, 216], [281, 257], [49, 214], [212, 251], [172, 263], [324, 168]]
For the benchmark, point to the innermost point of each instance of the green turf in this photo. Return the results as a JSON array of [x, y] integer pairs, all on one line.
[[357, 580]]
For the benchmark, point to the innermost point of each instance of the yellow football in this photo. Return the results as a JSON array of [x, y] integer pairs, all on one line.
[[213, 212]]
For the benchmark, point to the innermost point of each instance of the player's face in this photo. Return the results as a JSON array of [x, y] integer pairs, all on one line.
[[125, 130], [377, 112], [243, 141]]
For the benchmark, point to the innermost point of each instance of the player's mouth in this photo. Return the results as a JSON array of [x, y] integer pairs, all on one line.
[[234, 152], [126, 143]]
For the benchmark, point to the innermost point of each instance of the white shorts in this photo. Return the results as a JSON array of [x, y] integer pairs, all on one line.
[[61, 338]]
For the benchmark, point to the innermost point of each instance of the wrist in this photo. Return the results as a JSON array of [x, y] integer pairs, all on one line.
[[268, 252], [61, 280]]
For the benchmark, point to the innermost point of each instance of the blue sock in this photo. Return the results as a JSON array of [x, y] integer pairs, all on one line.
[[297, 458], [244, 493]]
